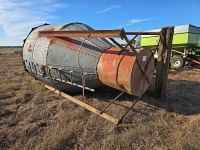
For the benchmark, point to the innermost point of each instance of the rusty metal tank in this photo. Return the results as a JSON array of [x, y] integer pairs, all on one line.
[[71, 64]]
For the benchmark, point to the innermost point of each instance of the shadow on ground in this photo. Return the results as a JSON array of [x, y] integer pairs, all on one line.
[[183, 97]]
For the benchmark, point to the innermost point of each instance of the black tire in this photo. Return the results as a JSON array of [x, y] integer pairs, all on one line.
[[177, 62]]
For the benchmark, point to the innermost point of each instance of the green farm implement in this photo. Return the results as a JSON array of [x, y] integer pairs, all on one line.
[[185, 45]]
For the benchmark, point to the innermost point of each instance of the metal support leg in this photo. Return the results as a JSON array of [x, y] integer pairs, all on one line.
[[60, 75], [120, 120], [71, 76], [111, 102], [49, 72]]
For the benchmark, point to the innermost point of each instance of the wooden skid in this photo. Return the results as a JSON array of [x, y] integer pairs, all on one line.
[[92, 109]]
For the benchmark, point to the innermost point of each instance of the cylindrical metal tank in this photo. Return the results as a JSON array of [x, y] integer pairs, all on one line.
[[69, 64], [123, 72]]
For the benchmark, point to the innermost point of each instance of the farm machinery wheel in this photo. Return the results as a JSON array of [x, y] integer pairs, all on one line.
[[177, 62]]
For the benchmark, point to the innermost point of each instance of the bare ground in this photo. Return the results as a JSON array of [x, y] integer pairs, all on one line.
[[32, 117]]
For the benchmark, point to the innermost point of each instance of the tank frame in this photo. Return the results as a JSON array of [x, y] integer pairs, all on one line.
[[111, 34]]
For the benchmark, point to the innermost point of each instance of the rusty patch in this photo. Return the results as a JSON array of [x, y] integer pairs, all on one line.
[[122, 72], [30, 49], [115, 70]]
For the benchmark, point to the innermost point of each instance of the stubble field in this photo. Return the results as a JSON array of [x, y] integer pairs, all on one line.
[[32, 117]]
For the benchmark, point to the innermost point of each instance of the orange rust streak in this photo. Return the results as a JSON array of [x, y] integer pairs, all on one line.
[[67, 43], [70, 42]]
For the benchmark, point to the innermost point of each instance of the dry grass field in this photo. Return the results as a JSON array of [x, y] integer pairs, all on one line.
[[32, 117]]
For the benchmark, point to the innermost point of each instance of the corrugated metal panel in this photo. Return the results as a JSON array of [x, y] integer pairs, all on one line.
[[68, 57], [40, 50], [99, 42], [32, 38], [75, 54], [30, 43]]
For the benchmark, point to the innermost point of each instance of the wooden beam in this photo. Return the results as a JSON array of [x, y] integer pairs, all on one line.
[[163, 61], [90, 108], [142, 33], [93, 33], [83, 33]]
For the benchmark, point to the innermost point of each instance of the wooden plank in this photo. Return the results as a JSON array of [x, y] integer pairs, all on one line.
[[167, 56], [142, 33], [92, 109], [83, 33], [93, 33], [164, 54]]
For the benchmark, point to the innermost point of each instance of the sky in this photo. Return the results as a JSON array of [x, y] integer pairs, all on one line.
[[18, 17]]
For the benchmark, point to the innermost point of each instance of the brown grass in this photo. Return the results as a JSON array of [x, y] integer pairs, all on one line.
[[32, 117]]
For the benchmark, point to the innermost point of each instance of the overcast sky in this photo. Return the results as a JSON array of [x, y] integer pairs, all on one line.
[[17, 17]]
